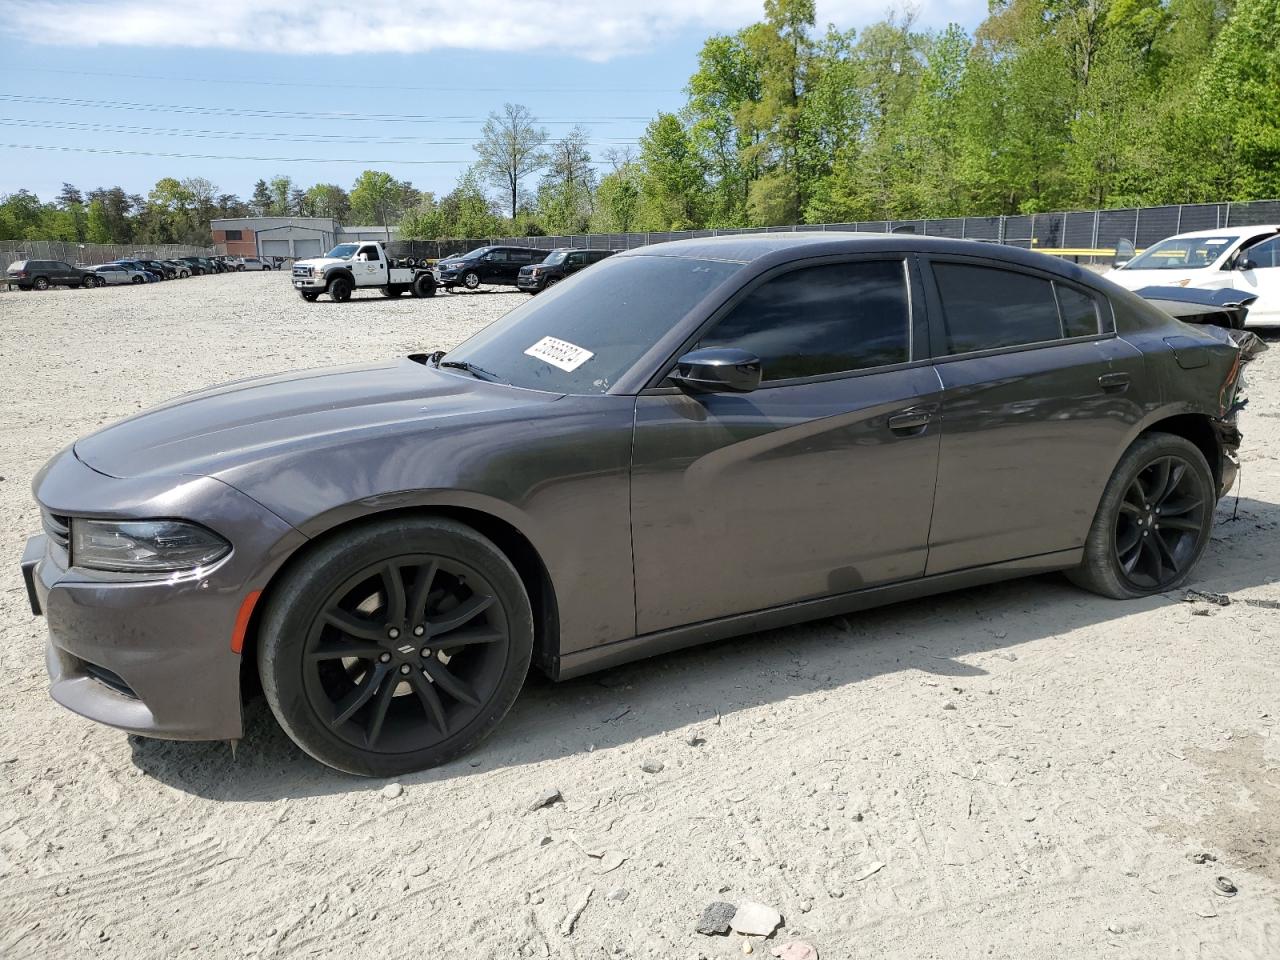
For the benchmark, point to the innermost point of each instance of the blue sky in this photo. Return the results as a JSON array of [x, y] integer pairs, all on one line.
[[245, 79]]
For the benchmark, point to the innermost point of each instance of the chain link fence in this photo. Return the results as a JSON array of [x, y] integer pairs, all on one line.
[[1087, 236], [89, 254]]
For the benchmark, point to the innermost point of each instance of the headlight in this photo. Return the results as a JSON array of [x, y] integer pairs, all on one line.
[[534, 272], [150, 546]]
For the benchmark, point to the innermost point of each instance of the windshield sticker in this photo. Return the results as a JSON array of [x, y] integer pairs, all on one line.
[[559, 353]]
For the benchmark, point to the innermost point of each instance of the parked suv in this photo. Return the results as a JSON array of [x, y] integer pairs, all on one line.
[[43, 274], [498, 265], [254, 263], [561, 262]]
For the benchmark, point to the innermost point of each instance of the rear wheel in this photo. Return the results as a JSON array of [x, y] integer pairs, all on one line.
[[340, 290], [392, 291], [40, 283], [396, 647], [1153, 523]]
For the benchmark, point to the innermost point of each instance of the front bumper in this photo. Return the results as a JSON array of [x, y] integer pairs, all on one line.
[[152, 657], [308, 283], [533, 284]]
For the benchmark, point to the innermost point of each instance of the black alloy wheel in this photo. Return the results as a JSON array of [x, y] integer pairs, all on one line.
[[137, 279], [397, 646], [340, 290], [1153, 522], [1159, 524], [405, 652]]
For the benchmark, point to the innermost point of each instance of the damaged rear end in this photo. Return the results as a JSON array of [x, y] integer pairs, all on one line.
[[1218, 315]]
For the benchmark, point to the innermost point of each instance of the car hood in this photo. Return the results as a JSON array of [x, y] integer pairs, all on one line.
[[453, 264], [224, 427], [1137, 279], [319, 263]]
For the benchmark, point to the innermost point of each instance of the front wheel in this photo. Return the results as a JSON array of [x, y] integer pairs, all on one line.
[[340, 290], [89, 282], [137, 279], [471, 280], [100, 282], [1153, 523], [308, 295], [397, 646]]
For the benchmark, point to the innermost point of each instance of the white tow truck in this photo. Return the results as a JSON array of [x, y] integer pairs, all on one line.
[[357, 266]]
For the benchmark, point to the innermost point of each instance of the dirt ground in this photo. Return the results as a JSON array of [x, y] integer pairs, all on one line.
[[1021, 771]]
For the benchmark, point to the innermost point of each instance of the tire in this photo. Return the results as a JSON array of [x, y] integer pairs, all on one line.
[[89, 283], [424, 285], [40, 283], [340, 290], [471, 280], [552, 282], [137, 280], [328, 686], [1162, 481], [308, 295], [100, 282], [240, 268], [392, 292]]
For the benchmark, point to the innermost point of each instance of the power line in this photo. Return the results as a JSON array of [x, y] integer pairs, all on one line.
[[280, 114], [235, 81], [207, 156], [83, 126]]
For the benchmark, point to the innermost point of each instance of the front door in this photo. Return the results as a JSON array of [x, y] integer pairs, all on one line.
[[818, 483], [368, 267], [1036, 408], [1263, 279]]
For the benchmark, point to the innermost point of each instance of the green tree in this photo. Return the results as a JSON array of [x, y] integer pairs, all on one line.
[[98, 226], [328, 200], [510, 149], [673, 181]]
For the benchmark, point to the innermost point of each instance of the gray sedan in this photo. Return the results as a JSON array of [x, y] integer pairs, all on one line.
[[115, 274], [687, 442]]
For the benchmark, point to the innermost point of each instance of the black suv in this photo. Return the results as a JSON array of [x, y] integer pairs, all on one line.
[[559, 264], [43, 274], [159, 267], [499, 265]]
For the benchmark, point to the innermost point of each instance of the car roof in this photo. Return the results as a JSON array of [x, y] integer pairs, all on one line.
[[1252, 228], [784, 246]]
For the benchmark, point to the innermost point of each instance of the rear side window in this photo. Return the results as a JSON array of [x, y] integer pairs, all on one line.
[[834, 318], [985, 308], [1079, 312], [1265, 255]]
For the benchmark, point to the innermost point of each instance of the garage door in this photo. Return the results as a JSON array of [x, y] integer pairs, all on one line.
[[307, 248], [275, 248]]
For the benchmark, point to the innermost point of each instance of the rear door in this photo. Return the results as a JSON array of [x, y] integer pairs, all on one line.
[[818, 483], [1036, 410]]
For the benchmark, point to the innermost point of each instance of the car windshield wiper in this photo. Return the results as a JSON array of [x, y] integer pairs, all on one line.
[[479, 372]]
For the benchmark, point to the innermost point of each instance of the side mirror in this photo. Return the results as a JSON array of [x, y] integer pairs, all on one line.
[[1244, 263], [1124, 253], [717, 370]]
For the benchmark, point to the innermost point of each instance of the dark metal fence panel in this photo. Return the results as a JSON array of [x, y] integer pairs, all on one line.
[[89, 254]]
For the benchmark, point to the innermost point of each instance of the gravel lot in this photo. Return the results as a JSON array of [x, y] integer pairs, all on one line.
[[1019, 771]]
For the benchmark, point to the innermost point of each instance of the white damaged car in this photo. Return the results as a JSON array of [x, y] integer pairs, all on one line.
[[1240, 258]]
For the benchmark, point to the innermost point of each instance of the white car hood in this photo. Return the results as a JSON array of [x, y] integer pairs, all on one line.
[[1137, 279], [319, 263]]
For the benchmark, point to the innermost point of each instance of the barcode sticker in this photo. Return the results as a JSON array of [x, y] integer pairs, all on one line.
[[559, 353]]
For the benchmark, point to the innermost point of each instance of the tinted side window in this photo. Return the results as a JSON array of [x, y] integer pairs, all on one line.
[[1079, 312], [985, 308], [498, 256], [828, 319], [1265, 254]]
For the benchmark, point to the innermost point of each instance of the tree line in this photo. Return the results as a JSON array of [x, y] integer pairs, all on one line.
[[1047, 105]]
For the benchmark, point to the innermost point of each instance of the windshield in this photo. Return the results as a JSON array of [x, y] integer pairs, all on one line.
[[556, 257], [474, 254], [1185, 253], [580, 337], [343, 251]]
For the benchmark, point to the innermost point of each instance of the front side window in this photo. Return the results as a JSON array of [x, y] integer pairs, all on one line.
[[985, 308], [370, 253], [1264, 255], [833, 318]]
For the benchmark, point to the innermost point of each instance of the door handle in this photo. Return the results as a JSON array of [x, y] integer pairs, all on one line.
[[1115, 382], [917, 418]]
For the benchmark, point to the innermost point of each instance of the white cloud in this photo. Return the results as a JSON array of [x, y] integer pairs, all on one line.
[[592, 29]]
